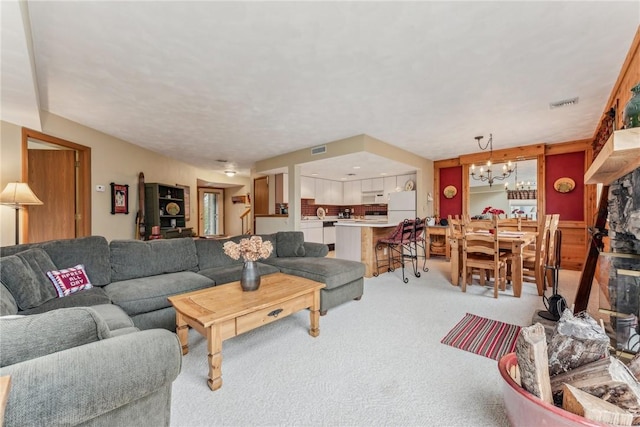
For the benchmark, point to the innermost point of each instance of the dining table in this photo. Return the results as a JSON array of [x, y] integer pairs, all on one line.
[[511, 241]]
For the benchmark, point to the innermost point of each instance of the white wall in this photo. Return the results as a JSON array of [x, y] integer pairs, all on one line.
[[114, 160]]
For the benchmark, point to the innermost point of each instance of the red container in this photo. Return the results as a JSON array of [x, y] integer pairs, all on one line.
[[524, 409]]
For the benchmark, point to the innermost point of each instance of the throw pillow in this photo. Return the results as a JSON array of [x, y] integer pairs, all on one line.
[[69, 280], [290, 243], [23, 275]]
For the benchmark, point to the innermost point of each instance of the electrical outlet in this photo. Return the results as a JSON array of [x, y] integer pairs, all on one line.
[[100, 188]]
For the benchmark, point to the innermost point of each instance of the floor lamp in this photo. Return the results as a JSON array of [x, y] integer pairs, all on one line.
[[17, 195]]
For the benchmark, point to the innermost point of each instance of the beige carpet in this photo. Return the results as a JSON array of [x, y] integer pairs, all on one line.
[[378, 361]]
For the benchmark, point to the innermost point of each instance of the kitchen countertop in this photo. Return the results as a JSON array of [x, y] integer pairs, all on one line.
[[365, 223], [271, 216]]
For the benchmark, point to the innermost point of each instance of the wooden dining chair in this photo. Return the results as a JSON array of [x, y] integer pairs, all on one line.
[[510, 224], [481, 251], [534, 261], [455, 237]]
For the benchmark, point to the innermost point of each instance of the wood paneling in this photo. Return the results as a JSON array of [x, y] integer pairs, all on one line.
[[574, 244]]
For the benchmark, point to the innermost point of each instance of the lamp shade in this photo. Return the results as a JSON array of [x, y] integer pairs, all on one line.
[[18, 194]]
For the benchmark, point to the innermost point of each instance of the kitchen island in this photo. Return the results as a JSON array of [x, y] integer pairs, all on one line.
[[356, 241]]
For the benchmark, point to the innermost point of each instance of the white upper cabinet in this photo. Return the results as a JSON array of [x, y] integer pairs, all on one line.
[[321, 194], [307, 187], [389, 186], [352, 193], [372, 185], [337, 191]]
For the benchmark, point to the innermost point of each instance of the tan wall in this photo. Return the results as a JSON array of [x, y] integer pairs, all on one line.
[[114, 160]]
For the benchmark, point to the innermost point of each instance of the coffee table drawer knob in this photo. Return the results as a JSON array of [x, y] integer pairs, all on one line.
[[275, 313]]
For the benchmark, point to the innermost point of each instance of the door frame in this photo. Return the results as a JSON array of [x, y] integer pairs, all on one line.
[[83, 225], [221, 218]]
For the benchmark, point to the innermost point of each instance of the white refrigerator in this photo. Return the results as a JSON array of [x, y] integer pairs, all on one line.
[[401, 206]]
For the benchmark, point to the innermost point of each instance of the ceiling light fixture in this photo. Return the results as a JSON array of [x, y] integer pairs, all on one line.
[[563, 103], [488, 176], [229, 172]]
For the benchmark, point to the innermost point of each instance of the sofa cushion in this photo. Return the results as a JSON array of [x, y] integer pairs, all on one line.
[[142, 295], [271, 238], [8, 304], [31, 337], [23, 275], [114, 316], [86, 298], [232, 273], [211, 254], [132, 259], [69, 280], [330, 271], [92, 252], [290, 243]]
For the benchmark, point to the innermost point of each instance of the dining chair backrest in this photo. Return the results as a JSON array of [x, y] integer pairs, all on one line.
[[510, 224], [419, 225], [551, 249], [455, 226], [542, 246], [481, 237]]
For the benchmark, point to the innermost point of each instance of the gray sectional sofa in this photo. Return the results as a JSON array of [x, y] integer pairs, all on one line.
[[122, 316]]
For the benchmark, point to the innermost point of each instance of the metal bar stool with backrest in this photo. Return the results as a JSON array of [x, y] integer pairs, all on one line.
[[398, 243], [481, 250], [419, 242]]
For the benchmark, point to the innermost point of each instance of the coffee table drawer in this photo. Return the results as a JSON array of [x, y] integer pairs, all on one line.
[[277, 311]]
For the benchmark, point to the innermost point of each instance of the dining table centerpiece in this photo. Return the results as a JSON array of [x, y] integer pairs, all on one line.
[[492, 211], [251, 249]]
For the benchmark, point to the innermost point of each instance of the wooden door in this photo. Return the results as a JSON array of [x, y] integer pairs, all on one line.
[[261, 195], [52, 177]]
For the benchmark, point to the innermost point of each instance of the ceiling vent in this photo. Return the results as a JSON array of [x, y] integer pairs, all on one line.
[[319, 150], [563, 103]]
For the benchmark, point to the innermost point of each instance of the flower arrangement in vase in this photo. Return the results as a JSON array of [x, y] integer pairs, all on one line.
[[251, 250], [492, 211]]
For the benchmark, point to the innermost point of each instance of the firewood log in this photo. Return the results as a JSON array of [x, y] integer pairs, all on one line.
[[577, 340], [531, 351], [593, 408]]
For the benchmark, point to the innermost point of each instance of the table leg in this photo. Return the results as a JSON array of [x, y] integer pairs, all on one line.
[[455, 261], [516, 251], [314, 314], [182, 330], [214, 347]]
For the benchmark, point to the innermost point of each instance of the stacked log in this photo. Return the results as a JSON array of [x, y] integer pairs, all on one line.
[[576, 372]]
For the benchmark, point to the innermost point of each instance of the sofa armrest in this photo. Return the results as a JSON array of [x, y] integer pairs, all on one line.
[[75, 385], [312, 249]]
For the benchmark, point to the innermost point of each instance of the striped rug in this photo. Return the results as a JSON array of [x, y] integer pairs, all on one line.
[[486, 337]]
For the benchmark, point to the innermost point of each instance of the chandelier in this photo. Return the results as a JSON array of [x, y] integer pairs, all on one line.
[[487, 175]]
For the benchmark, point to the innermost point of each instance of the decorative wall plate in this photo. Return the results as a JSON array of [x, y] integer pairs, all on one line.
[[321, 213], [564, 185], [172, 208], [450, 191], [409, 185]]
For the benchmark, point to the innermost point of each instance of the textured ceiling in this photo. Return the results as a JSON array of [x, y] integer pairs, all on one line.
[[246, 81]]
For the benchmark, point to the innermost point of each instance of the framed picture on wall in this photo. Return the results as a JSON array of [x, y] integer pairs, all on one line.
[[187, 201], [119, 199]]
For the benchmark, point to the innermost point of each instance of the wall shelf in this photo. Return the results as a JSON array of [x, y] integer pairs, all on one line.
[[619, 156]]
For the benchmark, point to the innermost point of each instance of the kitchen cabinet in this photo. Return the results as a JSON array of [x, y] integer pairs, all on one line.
[[372, 185], [312, 231], [352, 193], [321, 194], [307, 187], [337, 190], [282, 188], [389, 185], [165, 207], [329, 236]]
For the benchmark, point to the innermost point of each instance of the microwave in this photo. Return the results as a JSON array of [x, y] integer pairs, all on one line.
[[380, 198]]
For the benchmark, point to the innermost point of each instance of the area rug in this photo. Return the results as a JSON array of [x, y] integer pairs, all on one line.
[[486, 337]]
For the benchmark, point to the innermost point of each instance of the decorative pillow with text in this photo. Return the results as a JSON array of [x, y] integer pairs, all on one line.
[[69, 280]]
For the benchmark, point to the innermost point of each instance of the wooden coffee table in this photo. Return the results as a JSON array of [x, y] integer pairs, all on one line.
[[225, 311]]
